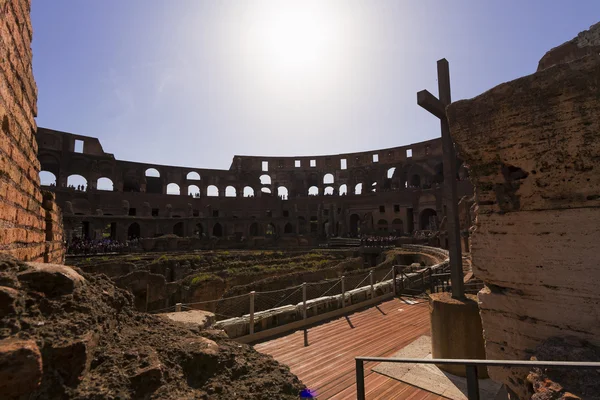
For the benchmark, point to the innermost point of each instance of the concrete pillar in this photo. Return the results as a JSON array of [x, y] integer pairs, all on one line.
[[456, 331]]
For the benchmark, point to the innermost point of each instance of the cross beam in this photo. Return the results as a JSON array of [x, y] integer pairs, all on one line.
[[437, 107]]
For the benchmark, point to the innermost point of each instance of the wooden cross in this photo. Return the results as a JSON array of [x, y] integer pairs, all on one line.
[[438, 108]]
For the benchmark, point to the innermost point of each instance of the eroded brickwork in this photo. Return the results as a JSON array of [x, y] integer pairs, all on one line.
[[22, 215], [533, 146]]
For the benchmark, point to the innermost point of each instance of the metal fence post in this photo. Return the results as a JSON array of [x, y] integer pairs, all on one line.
[[394, 280], [360, 380], [343, 292], [178, 307], [371, 282], [472, 382], [252, 293], [304, 300]]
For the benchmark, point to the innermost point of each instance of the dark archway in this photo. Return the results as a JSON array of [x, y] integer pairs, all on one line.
[[288, 228], [253, 231], [270, 230], [217, 230], [199, 230], [397, 226], [415, 181], [427, 220], [133, 232], [178, 229], [110, 231], [382, 225], [302, 225], [354, 224]]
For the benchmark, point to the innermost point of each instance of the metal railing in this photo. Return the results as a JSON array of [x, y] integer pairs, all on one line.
[[471, 369]]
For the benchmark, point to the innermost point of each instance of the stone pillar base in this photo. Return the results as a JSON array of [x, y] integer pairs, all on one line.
[[456, 331]]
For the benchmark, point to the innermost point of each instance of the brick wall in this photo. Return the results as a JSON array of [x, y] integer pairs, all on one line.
[[23, 217]]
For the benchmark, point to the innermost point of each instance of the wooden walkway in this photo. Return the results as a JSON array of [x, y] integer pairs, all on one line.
[[327, 364]]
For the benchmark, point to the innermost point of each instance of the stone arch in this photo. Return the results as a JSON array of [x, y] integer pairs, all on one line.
[[217, 230], [178, 229], [212, 191], [382, 225], [397, 226], [173, 189], [265, 190], [248, 191], [253, 230], [47, 178], [415, 181], [76, 180], [328, 191], [358, 188], [134, 231], [282, 192], [265, 179], [105, 184], [391, 172], [354, 224], [427, 219], [302, 225], [199, 230], [194, 191], [230, 191], [192, 176], [313, 191], [110, 230], [343, 190], [288, 228], [270, 229], [328, 179], [152, 173]]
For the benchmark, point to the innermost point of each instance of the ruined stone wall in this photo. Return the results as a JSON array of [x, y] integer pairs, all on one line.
[[22, 215], [533, 146]]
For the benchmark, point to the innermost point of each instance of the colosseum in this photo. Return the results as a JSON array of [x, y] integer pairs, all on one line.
[[388, 191]]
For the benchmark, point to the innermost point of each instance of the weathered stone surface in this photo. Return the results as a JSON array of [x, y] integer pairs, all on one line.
[[20, 367], [51, 279], [72, 360], [533, 147], [587, 42], [149, 377], [196, 318], [8, 298]]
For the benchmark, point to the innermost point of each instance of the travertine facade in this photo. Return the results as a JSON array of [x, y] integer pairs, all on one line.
[[533, 146], [315, 196], [30, 224]]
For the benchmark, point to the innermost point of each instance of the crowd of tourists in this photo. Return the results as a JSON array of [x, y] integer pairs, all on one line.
[[378, 241], [99, 246]]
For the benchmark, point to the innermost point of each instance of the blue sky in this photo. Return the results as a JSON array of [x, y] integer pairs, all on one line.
[[192, 82]]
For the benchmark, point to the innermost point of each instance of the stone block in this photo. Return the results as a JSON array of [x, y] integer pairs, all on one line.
[[20, 367]]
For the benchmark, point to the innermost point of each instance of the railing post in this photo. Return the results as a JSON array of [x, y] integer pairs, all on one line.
[[343, 292], [178, 307], [251, 323], [472, 382], [394, 280], [304, 300], [371, 282], [360, 380]]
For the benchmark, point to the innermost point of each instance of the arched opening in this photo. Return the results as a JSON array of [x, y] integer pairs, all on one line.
[[282, 192], [382, 225], [110, 231], [265, 179], [230, 191], [131, 182], [326, 227], [397, 226], [178, 229], [354, 224], [194, 191], [212, 191], [253, 231], [374, 187], [193, 176], [105, 184], [152, 173], [77, 182], [415, 181], [328, 191], [313, 191], [217, 230], [288, 228], [199, 230], [173, 189], [314, 224], [302, 225], [270, 230], [390, 172], [328, 179], [47, 178], [358, 188], [248, 192], [133, 232], [343, 190], [438, 176], [428, 221], [266, 190]]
